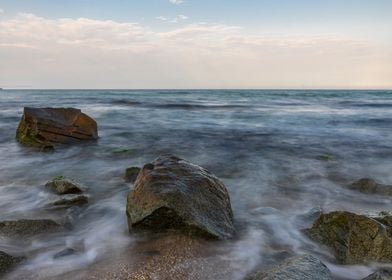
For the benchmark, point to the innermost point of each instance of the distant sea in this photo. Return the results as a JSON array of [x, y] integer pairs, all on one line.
[[283, 155]]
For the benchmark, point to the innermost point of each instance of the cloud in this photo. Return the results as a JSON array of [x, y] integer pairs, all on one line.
[[176, 19], [89, 53], [176, 2], [1, 11]]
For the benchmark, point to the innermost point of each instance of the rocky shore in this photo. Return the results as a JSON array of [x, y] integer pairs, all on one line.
[[185, 210]]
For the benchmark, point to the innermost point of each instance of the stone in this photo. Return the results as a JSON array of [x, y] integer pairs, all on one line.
[[380, 275], [370, 186], [62, 185], [22, 228], [49, 127], [131, 174], [172, 193], [7, 262], [64, 253], [71, 200], [354, 239], [305, 267]]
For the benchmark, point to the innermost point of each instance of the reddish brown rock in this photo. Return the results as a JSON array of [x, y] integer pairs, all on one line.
[[48, 127]]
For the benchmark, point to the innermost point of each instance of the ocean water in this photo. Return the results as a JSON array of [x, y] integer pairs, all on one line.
[[267, 147]]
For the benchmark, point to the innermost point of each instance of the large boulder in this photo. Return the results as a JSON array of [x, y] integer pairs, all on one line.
[[370, 186], [26, 228], [48, 127], [354, 238], [171, 192], [305, 267]]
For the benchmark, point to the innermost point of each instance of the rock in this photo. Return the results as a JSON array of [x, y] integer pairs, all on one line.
[[62, 185], [20, 228], [71, 200], [353, 238], [48, 127], [380, 275], [369, 186], [172, 193], [7, 262], [304, 267], [64, 253], [131, 174]]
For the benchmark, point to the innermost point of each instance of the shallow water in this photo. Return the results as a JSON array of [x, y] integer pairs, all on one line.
[[264, 145]]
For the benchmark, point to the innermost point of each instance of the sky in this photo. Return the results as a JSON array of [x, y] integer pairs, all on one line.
[[135, 44]]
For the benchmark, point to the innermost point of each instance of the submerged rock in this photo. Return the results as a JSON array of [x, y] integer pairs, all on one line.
[[48, 127], [28, 227], [172, 193], [131, 174], [64, 253], [370, 186], [71, 200], [7, 262], [62, 185], [380, 275], [353, 238], [304, 267]]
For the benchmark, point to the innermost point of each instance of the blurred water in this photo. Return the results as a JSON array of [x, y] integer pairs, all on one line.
[[264, 145]]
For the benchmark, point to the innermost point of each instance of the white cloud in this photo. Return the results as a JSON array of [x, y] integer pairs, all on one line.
[[88, 53], [176, 19], [1, 11], [176, 2]]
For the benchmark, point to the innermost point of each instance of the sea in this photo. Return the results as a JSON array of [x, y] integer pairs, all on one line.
[[284, 156]]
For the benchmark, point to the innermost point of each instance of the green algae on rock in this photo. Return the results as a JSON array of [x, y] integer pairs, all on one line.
[[172, 193], [353, 238]]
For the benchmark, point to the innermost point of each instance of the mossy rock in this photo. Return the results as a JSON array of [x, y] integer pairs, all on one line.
[[62, 185], [325, 158], [70, 200], [353, 238]]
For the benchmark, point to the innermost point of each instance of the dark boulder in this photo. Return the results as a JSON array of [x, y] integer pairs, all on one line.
[[7, 262], [62, 185], [172, 193], [131, 174], [48, 127], [22, 228], [64, 253], [353, 238], [370, 186], [304, 267]]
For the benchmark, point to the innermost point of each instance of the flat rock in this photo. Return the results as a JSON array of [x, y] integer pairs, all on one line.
[[172, 193], [370, 186], [353, 238], [70, 200], [21, 228], [48, 127], [62, 185], [305, 267]]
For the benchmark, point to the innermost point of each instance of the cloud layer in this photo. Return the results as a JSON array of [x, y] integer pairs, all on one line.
[[86, 53]]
